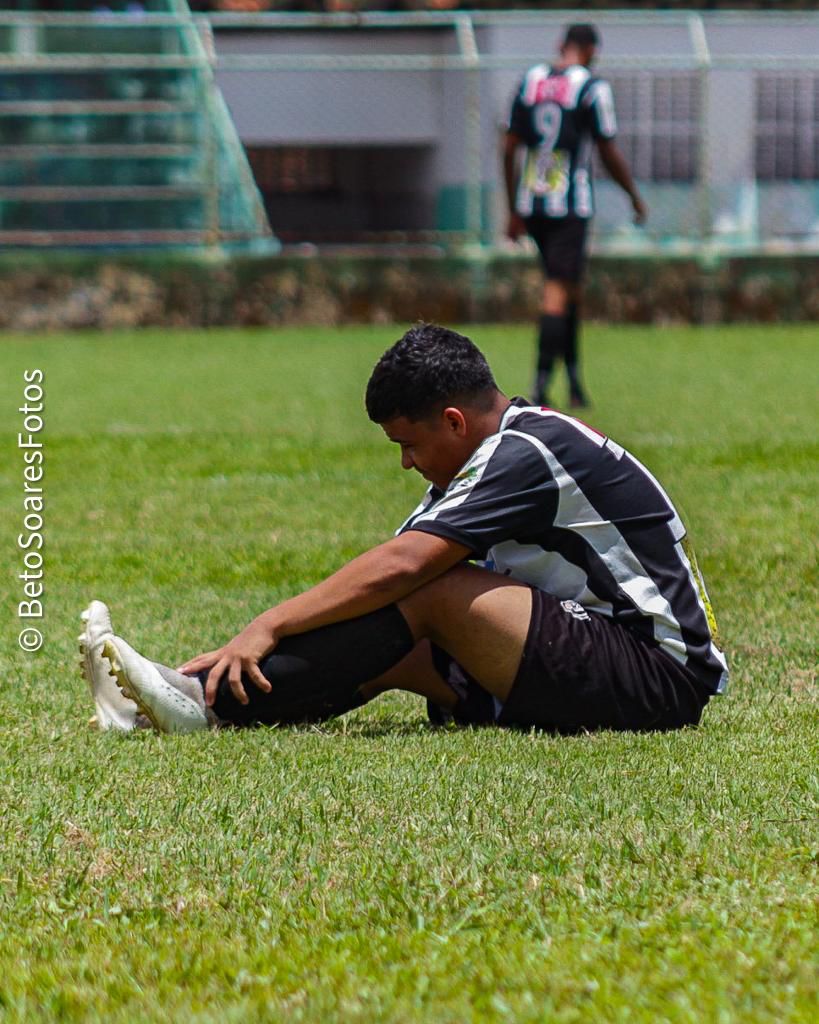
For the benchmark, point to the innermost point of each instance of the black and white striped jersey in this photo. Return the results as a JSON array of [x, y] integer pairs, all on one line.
[[558, 114], [551, 502]]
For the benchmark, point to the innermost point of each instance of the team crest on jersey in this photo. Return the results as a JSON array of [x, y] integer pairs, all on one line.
[[577, 611], [463, 479]]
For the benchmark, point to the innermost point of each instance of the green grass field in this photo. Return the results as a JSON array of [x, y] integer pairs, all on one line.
[[376, 870]]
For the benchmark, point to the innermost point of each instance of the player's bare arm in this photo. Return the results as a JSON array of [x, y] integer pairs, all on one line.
[[615, 164], [381, 576], [512, 143]]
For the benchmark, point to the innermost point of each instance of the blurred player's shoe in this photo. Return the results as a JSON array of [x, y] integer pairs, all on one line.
[[128, 689], [578, 399], [540, 388], [114, 709]]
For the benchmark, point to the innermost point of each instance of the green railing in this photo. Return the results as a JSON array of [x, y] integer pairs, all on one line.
[[113, 134]]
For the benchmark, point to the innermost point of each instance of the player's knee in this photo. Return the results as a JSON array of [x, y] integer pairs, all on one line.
[[426, 607], [556, 298]]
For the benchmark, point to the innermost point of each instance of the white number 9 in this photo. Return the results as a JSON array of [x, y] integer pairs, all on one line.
[[548, 119]]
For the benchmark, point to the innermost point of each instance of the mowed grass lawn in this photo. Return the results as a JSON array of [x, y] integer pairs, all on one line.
[[375, 869]]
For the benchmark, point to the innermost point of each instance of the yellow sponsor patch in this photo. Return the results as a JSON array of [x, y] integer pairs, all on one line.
[[706, 601]]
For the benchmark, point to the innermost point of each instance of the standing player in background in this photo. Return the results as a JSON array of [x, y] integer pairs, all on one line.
[[558, 115]]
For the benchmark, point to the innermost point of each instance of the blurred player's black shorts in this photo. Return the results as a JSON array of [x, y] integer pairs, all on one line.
[[580, 672], [561, 242]]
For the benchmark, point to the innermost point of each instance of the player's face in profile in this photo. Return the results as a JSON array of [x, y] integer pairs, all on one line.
[[434, 447]]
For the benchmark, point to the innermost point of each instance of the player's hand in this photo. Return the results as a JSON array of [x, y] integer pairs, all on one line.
[[241, 655], [640, 209], [515, 227]]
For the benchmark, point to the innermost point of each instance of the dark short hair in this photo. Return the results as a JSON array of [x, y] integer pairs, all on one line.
[[428, 369], [582, 34]]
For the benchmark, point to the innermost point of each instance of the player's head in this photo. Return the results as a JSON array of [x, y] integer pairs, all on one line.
[[427, 369], [581, 41], [434, 394]]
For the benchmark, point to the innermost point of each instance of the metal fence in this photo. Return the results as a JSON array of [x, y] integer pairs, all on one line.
[[385, 128], [379, 127], [113, 134]]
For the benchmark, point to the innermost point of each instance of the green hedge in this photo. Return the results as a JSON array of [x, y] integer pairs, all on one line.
[[82, 291]]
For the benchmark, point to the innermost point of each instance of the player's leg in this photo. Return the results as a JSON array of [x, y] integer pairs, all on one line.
[[551, 334], [561, 243], [520, 657], [314, 676], [415, 673], [569, 254], [483, 617], [577, 394], [545, 662], [480, 618], [319, 674]]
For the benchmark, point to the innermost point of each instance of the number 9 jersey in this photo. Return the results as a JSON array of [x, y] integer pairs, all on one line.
[[558, 114]]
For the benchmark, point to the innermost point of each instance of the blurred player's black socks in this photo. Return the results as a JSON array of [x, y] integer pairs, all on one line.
[[577, 396], [570, 349], [316, 675], [551, 344]]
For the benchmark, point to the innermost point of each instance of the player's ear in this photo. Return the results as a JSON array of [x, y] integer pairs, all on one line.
[[455, 420]]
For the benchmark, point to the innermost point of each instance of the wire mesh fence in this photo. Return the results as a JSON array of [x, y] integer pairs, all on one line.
[[374, 128], [392, 129]]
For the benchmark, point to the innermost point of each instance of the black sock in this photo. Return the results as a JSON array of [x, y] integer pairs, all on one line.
[[551, 344], [572, 326], [316, 675], [571, 350]]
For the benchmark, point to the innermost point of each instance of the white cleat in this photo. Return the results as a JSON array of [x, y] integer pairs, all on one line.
[[114, 709], [168, 709]]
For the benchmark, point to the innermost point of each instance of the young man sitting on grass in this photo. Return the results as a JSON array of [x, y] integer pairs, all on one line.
[[588, 612]]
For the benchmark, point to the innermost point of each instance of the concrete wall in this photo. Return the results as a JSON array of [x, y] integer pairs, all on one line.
[[402, 108]]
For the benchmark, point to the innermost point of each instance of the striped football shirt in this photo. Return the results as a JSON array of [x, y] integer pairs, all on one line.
[[558, 114], [553, 503]]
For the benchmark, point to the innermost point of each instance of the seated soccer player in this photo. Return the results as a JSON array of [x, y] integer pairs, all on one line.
[[588, 611]]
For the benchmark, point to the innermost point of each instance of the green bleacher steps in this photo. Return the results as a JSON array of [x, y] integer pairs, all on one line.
[[114, 134]]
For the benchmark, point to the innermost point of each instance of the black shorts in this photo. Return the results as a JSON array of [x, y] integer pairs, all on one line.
[[580, 672], [561, 242]]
